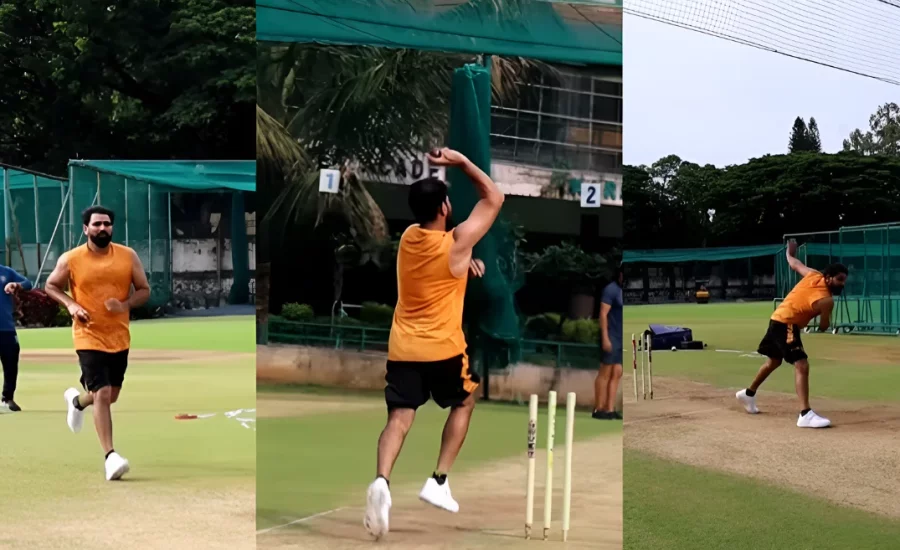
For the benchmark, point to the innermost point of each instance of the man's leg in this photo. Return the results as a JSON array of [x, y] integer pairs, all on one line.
[[615, 377], [801, 382], [601, 385], [102, 399], [391, 440], [764, 371], [455, 430], [9, 356]]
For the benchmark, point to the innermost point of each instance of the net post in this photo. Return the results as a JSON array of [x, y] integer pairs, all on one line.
[[126, 211], [150, 236], [6, 215], [37, 222]]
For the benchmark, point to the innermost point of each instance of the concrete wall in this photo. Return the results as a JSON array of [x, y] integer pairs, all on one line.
[[287, 364]]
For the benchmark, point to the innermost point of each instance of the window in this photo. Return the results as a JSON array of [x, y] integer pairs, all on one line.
[[571, 122]]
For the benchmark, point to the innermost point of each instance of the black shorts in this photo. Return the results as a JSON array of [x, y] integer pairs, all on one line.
[[100, 369], [410, 383], [782, 342]]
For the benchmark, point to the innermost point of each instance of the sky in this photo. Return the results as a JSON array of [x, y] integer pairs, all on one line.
[[711, 101]]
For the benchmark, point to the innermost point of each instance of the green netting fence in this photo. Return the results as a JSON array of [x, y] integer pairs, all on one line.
[[362, 338], [871, 300], [42, 213]]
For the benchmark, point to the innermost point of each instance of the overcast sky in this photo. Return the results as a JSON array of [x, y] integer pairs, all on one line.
[[708, 100]]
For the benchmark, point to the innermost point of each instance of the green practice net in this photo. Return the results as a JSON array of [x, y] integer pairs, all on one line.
[[42, 214], [491, 314], [871, 298], [568, 32]]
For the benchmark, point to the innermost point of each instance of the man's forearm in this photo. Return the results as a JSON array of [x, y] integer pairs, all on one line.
[[57, 294], [139, 298], [485, 186]]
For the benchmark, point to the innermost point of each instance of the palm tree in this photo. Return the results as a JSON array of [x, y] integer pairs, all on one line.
[[357, 109]]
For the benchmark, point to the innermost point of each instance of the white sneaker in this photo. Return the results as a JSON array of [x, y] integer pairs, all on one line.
[[116, 467], [812, 420], [438, 495], [378, 508], [75, 417], [4, 407], [749, 402]]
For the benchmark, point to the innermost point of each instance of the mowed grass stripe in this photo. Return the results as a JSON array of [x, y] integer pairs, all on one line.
[[235, 334]]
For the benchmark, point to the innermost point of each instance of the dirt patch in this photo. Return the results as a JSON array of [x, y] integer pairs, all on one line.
[[854, 463], [286, 407], [147, 516], [142, 356], [492, 515]]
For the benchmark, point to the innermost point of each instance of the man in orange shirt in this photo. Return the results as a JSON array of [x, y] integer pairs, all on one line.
[[100, 276], [427, 347], [813, 296]]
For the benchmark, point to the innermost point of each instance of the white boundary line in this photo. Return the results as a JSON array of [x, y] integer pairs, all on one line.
[[301, 520]]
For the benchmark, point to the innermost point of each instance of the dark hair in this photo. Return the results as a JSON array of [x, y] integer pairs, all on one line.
[[835, 269], [88, 212], [425, 199]]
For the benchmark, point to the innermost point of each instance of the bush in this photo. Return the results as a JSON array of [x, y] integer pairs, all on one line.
[[35, 308], [581, 331], [297, 312], [376, 314], [544, 326], [63, 319]]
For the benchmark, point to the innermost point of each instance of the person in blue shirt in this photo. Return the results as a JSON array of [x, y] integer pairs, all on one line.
[[607, 383], [11, 282]]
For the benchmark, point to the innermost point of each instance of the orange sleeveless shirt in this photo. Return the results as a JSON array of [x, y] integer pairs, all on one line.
[[428, 318], [797, 308], [93, 279]]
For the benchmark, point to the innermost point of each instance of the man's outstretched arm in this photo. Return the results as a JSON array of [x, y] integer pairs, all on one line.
[[796, 264], [476, 226]]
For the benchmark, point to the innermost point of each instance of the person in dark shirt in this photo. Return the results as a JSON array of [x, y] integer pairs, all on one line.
[[607, 383], [11, 282]]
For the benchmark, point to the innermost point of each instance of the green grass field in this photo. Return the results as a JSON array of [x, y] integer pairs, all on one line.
[[841, 366], [45, 465], [670, 505], [324, 459]]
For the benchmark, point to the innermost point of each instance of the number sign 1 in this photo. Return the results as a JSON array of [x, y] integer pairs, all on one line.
[[329, 181]]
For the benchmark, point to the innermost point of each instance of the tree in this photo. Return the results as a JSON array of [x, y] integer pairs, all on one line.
[[801, 139], [357, 109], [815, 140], [883, 136], [93, 79]]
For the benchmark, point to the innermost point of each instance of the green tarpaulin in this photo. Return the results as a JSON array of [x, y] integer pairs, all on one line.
[[678, 255], [566, 32], [181, 175]]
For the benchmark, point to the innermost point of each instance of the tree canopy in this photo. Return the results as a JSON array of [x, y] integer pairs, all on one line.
[[145, 79], [678, 204]]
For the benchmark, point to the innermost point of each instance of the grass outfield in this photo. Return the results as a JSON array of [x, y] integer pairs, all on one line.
[[324, 459], [236, 334], [182, 471], [842, 366], [671, 506]]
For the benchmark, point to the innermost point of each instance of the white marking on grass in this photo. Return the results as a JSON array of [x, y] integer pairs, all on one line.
[[301, 520], [674, 415], [730, 350]]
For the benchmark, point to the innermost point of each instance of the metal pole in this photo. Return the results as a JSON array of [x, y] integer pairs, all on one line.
[[126, 211], [171, 250], [99, 201], [6, 214], [149, 234], [37, 222], [62, 212], [62, 208], [71, 196]]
